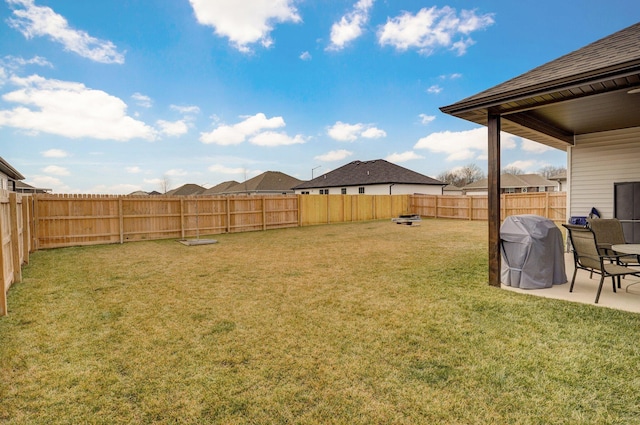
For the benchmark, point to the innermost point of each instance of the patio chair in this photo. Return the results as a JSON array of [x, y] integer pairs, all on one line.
[[587, 256], [609, 232]]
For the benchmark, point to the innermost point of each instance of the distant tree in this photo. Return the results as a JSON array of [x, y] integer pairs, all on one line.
[[550, 171], [512, 170], [448, 177], [165, 184], [462, 176], [470, 173]]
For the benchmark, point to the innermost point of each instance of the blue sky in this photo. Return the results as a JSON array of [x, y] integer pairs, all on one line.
[[113, 96]]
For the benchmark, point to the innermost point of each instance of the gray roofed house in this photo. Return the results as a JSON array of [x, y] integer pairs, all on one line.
[[513, 183], [269, 182], [376, 177], [22, 187], [585, 103], [220, 188], [8, 176], [186, 190]]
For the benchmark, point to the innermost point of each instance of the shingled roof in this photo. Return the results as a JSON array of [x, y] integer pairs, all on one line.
[[186, 190], [508, 180], [362, 173], [596, 79], [269, 181], [220, 188]]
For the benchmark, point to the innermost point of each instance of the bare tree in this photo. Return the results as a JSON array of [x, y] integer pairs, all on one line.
[[550, 171], [462, 176], [165, 184], [470, 173], [512, 170]]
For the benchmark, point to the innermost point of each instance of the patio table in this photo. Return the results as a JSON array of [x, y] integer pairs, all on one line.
[[627, 248]]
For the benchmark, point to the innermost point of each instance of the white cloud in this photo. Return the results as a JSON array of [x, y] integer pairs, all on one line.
[[373, 133], [176, 172], [346, 132], [56, 170], [133, 170], [173, 128], [534, 147], [403, 157], [54, 153], [225, 135], [15, 62], [245, 22], [222, 169], [305, 56], [432, 28], [40, 21], [334, 155], [526, 166], [186, 110], [273, 138], [350, 25], [48, 182], [142, 100], [71, 110], [462, 145], [116, 189], [435, 89], [426, 119]]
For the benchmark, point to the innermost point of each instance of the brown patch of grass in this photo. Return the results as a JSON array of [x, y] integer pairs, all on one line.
[[353, 323]]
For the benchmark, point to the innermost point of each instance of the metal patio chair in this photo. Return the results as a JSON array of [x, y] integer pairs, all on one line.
[[587, 256], [609, 232]]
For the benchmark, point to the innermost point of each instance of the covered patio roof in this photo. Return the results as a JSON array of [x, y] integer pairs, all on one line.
[[585, 91], [593, 89]]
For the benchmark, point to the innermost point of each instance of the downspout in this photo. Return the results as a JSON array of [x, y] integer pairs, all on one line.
[[392, 184]]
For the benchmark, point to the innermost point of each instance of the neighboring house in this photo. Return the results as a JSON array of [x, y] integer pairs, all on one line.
[[186, 190], [452, 190], [22, 187], [269, 182], [513, 183], [561, 181], [220, 189], [377, 177], [8, 176], [585, 103]]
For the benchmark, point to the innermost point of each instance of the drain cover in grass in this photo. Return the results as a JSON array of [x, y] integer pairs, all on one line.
[[190, 242]]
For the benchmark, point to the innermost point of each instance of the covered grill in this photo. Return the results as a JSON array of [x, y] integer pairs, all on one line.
[[532, 252]]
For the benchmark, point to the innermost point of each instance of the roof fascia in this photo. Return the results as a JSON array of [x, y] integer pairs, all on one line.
[[626, 69]]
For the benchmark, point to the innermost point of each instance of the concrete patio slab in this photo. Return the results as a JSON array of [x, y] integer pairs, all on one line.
[[626, 298]]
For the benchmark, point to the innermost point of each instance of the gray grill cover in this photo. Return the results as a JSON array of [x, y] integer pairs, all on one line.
[[532, 252]]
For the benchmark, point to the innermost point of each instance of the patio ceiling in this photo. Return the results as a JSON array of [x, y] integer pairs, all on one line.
[[583, 92]]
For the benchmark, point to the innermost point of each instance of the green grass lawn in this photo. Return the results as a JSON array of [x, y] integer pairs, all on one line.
[[363, 323]]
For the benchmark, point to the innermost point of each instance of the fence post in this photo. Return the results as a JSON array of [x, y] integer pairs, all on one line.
[[35, 235], [26, 229], [121, 220], [3, 278], [182, 218], [15, 239], [264, 213], [546, 209], [228, 226]]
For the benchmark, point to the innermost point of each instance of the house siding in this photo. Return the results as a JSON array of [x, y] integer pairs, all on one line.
[[380, 189], [596, 162]]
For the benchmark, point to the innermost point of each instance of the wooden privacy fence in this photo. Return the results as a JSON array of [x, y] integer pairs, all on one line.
[[68, 220], [552, 205], [32, 222], [14, 241]]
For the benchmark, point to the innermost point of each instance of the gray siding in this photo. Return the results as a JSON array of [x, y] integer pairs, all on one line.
[[596, 162]]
